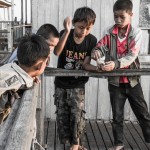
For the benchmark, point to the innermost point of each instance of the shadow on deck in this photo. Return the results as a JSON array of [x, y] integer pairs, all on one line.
[[98, 136]]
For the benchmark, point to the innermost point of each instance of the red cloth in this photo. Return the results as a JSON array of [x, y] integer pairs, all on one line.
[[122, 50]]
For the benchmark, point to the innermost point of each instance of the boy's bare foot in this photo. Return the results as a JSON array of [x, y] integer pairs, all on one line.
[[81, 148], [74, 147], [116, 148]]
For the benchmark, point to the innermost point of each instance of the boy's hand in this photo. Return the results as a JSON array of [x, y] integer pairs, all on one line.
[[99, 68], [109, 66], [95, 54], [68, 24], [36, 80]]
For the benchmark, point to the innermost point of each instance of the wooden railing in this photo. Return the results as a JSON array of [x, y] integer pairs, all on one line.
[[120, 72], [19, 129]]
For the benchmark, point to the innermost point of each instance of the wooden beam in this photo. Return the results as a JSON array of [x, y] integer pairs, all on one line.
[[23, 127], [120, 72], [5, 4]]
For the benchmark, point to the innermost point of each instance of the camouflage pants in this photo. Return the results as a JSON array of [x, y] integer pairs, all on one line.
[[70, 114]]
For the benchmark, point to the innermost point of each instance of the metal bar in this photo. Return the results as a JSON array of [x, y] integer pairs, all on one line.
[[120, 72]]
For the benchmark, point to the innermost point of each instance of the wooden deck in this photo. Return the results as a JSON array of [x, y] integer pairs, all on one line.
[[98, 136]]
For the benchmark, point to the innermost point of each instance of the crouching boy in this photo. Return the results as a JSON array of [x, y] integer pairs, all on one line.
[[33, 55]]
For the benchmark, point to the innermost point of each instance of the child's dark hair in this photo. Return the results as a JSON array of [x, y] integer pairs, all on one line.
[[46, 30], [123, 5], [31, 49], [84, 14]]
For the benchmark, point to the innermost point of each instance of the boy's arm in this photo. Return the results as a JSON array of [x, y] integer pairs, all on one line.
[[87, 61], [89, 67], [101, 48], [67, 25]]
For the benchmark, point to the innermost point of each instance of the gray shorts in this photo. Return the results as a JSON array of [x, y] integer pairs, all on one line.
[[70, 114]]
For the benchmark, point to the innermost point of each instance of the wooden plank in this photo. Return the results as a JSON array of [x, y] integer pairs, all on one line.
[[145, 43], [40, 113], [68, 9], [34, 5], [24, 128], [97, 26], [39, 101], [61, 15], [49, 92], [89, 3], [90, 136], [103, 101], [58, 146], [91, 98], [106, 9], [53, 11], [136, 13], [40, 13], [84, 140], [136, 137], [46, 125], [51, 136], [129, 137], [50, 107], [139, 131], [109, 129], [120, 72], [40, 127], [97, 135], [146, 89], [149, 42], [105, 135], [5, 4], [77, 4]]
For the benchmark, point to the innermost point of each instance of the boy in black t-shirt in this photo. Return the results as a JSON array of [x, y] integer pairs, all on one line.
[[74, 50]]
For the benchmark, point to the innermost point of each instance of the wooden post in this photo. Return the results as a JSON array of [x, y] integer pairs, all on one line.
[[40, 113]]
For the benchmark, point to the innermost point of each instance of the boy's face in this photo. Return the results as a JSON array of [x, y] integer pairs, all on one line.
[[52, 42], [122, 18], [82, 29]]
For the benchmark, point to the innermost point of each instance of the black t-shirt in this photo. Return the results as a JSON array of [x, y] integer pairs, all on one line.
[[71, 57]]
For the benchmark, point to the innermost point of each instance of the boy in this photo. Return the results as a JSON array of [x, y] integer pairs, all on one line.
[[73, 49], [121, 45], [49, 33], [33, 54]]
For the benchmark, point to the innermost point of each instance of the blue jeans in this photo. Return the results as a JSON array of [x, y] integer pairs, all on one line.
[[118, 96]]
